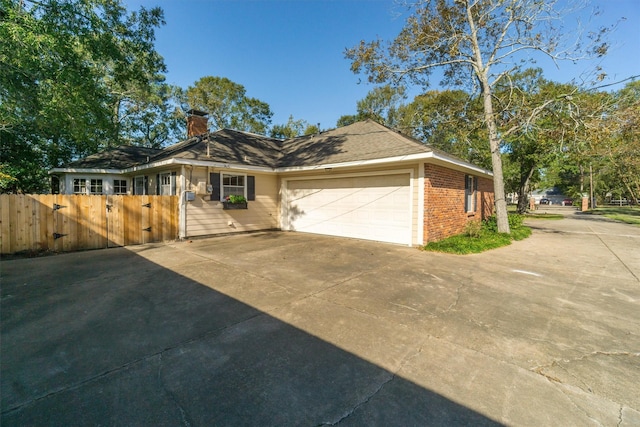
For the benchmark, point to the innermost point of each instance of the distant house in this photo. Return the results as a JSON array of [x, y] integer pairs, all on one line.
[[552, 195], [362, 181]]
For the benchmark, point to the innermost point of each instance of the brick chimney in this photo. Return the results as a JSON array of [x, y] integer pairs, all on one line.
[[196, 123]]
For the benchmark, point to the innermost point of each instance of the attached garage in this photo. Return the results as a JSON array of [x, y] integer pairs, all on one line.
[[373, 207]]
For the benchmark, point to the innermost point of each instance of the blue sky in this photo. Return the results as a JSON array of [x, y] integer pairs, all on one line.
[[290, 53]]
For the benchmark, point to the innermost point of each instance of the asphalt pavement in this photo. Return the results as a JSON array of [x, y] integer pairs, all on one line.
[[283, 328]]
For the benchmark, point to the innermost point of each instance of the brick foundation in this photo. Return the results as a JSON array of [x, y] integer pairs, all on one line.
[[444, 202]]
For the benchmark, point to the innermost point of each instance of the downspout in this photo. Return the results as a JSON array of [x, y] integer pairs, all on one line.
[[182, 218]]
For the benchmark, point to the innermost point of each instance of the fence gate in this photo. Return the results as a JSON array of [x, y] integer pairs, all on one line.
[[115, 221], [64, 223]]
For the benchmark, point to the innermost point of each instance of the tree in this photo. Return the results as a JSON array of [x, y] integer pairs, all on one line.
[[609, 137], [537, 125], [447, 120], [228, 106], [64, 67], [475, 44], [152, 119], [293, 128], [381, 105]]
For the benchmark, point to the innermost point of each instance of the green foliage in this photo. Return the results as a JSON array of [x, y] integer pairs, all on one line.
[[382, 105], [236, 199], [473, 229], [520, 233], [627, 215], [293, 128], [491, 224], [228, 105], [545, 216], [463, 245], [347, 120], [449, 120], [67, 67], [475, 45], [152, 119], [482, 236]]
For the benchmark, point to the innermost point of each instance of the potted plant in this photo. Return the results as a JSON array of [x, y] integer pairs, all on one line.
[[234, 202]]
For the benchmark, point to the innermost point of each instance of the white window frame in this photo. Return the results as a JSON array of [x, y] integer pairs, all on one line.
[[167, 184], [139, 185], [81, 183], [229, 189], [97, 185], [470, 193], [119, 186]]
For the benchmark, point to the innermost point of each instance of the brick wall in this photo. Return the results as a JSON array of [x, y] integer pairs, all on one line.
[[485, 197], [444, 202]]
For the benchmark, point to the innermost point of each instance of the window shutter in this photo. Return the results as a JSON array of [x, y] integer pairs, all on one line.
[[475, 193], [173, 183], [251, 187], [215, 184], [466, 193], [158, 184]]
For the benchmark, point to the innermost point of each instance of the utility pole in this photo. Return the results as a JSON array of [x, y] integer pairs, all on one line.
[[593, 205]]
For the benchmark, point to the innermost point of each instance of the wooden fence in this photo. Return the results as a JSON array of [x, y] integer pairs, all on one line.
[[64, 223]]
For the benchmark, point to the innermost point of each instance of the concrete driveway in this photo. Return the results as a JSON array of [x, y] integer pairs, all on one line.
[[294, 329]]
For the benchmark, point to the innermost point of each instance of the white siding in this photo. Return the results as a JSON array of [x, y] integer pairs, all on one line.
[[206, 217]]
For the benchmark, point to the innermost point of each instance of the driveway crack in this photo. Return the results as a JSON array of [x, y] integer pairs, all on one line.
[[620, 416], [127, 365], [367, 399], [183, 413], [615, 255]]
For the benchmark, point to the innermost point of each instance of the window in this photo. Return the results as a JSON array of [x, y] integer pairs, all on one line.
[[96, 186], [470, 190], [55, 184], [226, 184], [167, 184], [79, 186], [140, 185], [232, 184], [120, 186]]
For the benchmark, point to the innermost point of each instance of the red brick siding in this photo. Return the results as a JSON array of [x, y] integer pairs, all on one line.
[[485, 197], [444, 213]]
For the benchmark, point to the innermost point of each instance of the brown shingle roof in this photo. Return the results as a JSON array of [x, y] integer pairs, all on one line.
[[120, 157], [228, 146], [366, 140]]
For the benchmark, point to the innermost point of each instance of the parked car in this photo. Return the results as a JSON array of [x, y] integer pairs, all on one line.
[[544, 201], [567, 202]]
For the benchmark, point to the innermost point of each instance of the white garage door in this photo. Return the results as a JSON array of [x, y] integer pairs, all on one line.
[[363, 207]]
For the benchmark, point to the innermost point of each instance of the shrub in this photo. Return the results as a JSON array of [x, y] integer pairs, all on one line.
[[491, 223], [473, 229]]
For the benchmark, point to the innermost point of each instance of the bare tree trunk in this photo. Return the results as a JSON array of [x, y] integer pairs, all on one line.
[[523, 191], [482, 73], [496, 160]]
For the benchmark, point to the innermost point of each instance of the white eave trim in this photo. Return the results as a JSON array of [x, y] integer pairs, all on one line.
[[85, 171], [183, 162], [429, 156], [410, 157]]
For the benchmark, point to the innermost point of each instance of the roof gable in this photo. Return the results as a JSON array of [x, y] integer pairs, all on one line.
[[365, 140]]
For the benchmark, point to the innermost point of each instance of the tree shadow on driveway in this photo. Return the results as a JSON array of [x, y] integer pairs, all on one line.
[[109, 337]]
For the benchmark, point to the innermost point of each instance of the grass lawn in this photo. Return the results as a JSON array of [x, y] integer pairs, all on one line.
[[485, 240], [544, 216], [512, 209], [624, 214]]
